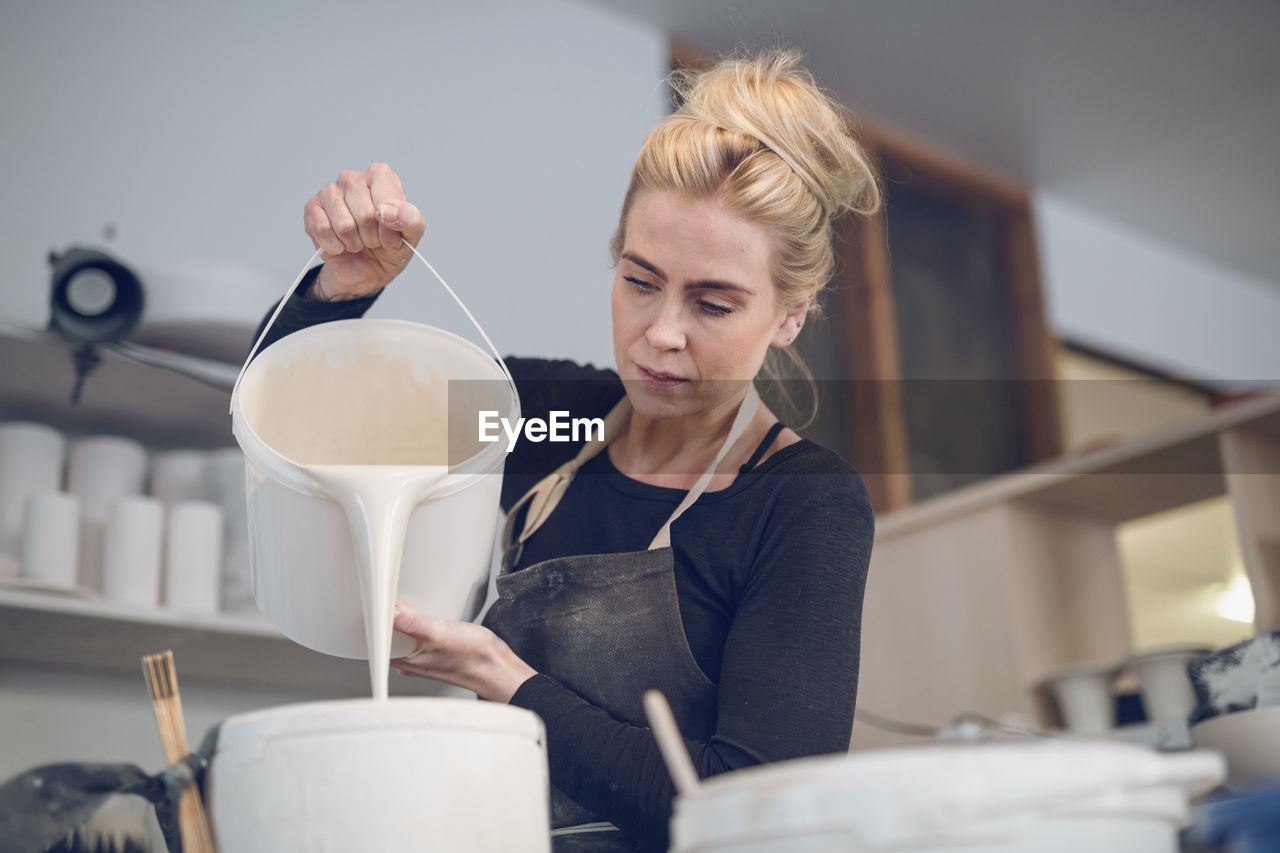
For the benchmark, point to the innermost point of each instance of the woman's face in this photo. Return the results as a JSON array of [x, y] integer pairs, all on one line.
[[695, 308]]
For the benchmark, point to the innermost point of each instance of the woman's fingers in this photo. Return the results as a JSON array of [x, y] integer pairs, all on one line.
[[362, 211], [395, 215], [318, 228], [357, 197]]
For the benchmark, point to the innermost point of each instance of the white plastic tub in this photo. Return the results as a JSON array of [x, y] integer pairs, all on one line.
[[363, 775], [1024, 797]]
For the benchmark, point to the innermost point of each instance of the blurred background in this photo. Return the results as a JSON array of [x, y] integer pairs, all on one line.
[[1037, 355]]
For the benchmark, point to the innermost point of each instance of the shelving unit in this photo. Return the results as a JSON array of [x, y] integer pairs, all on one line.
[[92, 635], [972, 599], [975, 596]]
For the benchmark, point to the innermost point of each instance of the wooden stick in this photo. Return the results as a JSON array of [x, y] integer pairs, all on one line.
[[166, 701], [670, 743]]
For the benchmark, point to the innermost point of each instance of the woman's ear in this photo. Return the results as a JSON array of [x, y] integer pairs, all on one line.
[[792, 322]]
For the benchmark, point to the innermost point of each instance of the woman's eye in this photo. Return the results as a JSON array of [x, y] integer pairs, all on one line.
[[714, 309], [639, 283]]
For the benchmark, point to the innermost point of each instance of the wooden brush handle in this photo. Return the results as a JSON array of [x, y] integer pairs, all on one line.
[[193, 823]]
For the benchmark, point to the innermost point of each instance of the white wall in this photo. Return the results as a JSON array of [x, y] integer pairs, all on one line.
[[199, 130], [1126, 293]]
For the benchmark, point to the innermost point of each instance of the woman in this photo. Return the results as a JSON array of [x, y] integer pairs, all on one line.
[[739, 596]]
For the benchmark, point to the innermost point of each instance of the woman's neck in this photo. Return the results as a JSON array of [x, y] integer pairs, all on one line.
[[674, 452]]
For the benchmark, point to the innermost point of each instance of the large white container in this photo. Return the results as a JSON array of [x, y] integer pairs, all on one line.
[[364, 775], [1025, 797], [310, 537]]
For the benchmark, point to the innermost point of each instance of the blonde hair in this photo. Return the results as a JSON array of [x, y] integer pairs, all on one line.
[[760, 136]]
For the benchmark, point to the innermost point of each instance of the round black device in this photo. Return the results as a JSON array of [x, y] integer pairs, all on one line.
[[94, 297]]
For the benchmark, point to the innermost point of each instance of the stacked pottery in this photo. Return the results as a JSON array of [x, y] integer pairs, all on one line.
[[163, 528], [1167, 694], [31, 458], [1084, 696], [225, 483], [194, 531], [101, 471]]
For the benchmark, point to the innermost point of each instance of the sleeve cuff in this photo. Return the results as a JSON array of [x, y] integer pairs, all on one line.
[[541, 693]]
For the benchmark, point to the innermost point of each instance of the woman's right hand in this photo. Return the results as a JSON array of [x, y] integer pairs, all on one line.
[[360, 223]]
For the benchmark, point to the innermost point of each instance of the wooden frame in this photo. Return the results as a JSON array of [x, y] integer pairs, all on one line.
[[878, 424]]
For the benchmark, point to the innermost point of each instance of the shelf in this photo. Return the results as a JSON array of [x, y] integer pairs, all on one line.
[[157, 407], [1172, 467], [973, 597], [76, 633]]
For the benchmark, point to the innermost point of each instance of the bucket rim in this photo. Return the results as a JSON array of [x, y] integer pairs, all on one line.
[[292, 473], [359, 715], [917, 803], [1101, 764]]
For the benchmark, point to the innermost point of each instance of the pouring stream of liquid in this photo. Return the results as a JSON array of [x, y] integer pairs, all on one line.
[[378, 501]]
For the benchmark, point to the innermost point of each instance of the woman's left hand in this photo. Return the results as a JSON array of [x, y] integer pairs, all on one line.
[[463, 654]]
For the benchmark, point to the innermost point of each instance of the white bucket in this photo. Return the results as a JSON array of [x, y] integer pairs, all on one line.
[[1032, 797], [361, 455], [402, 774]]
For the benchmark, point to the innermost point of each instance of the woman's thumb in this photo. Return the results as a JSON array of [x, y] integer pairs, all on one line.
[[408, 621], [402, 218]]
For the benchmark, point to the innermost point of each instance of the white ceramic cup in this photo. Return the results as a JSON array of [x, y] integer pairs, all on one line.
[[31, 457], [51, 539], [100, 471], [1167, 694], [178, 475], [1084, 697], [193, 556], [225, 484], [132, 551]]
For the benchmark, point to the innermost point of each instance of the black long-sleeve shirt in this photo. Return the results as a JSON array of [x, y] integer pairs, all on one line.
[[769, 572]]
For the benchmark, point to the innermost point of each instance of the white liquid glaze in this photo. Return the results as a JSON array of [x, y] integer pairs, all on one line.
[[378, 500]]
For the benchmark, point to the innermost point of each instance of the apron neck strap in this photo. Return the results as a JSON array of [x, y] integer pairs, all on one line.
[[547, 492], [543, 498], [746, 411]]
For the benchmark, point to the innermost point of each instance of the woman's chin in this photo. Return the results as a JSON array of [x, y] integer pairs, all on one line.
[[660, 403]]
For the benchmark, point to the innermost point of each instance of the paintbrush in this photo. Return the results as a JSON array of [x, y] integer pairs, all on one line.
[[162, 681]]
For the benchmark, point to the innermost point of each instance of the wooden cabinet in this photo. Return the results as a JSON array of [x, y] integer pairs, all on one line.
[[974, 596]]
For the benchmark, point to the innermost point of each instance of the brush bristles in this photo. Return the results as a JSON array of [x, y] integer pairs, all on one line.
[[162, 681], [116, 828]]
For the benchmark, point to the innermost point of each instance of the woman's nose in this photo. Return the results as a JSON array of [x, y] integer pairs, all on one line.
[[666, 330]]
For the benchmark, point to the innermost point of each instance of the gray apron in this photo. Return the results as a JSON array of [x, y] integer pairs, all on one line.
[[607, 626]]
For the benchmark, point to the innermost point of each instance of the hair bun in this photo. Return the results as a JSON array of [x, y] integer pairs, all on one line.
[[774, 99]]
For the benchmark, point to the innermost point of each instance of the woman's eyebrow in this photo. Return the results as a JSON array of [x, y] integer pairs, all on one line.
[[641, 262], [693, 285]]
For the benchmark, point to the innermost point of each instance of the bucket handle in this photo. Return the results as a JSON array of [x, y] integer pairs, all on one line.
[[301, 275]]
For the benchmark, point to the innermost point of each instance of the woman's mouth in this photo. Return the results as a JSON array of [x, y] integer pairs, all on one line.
[[659, 380]]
